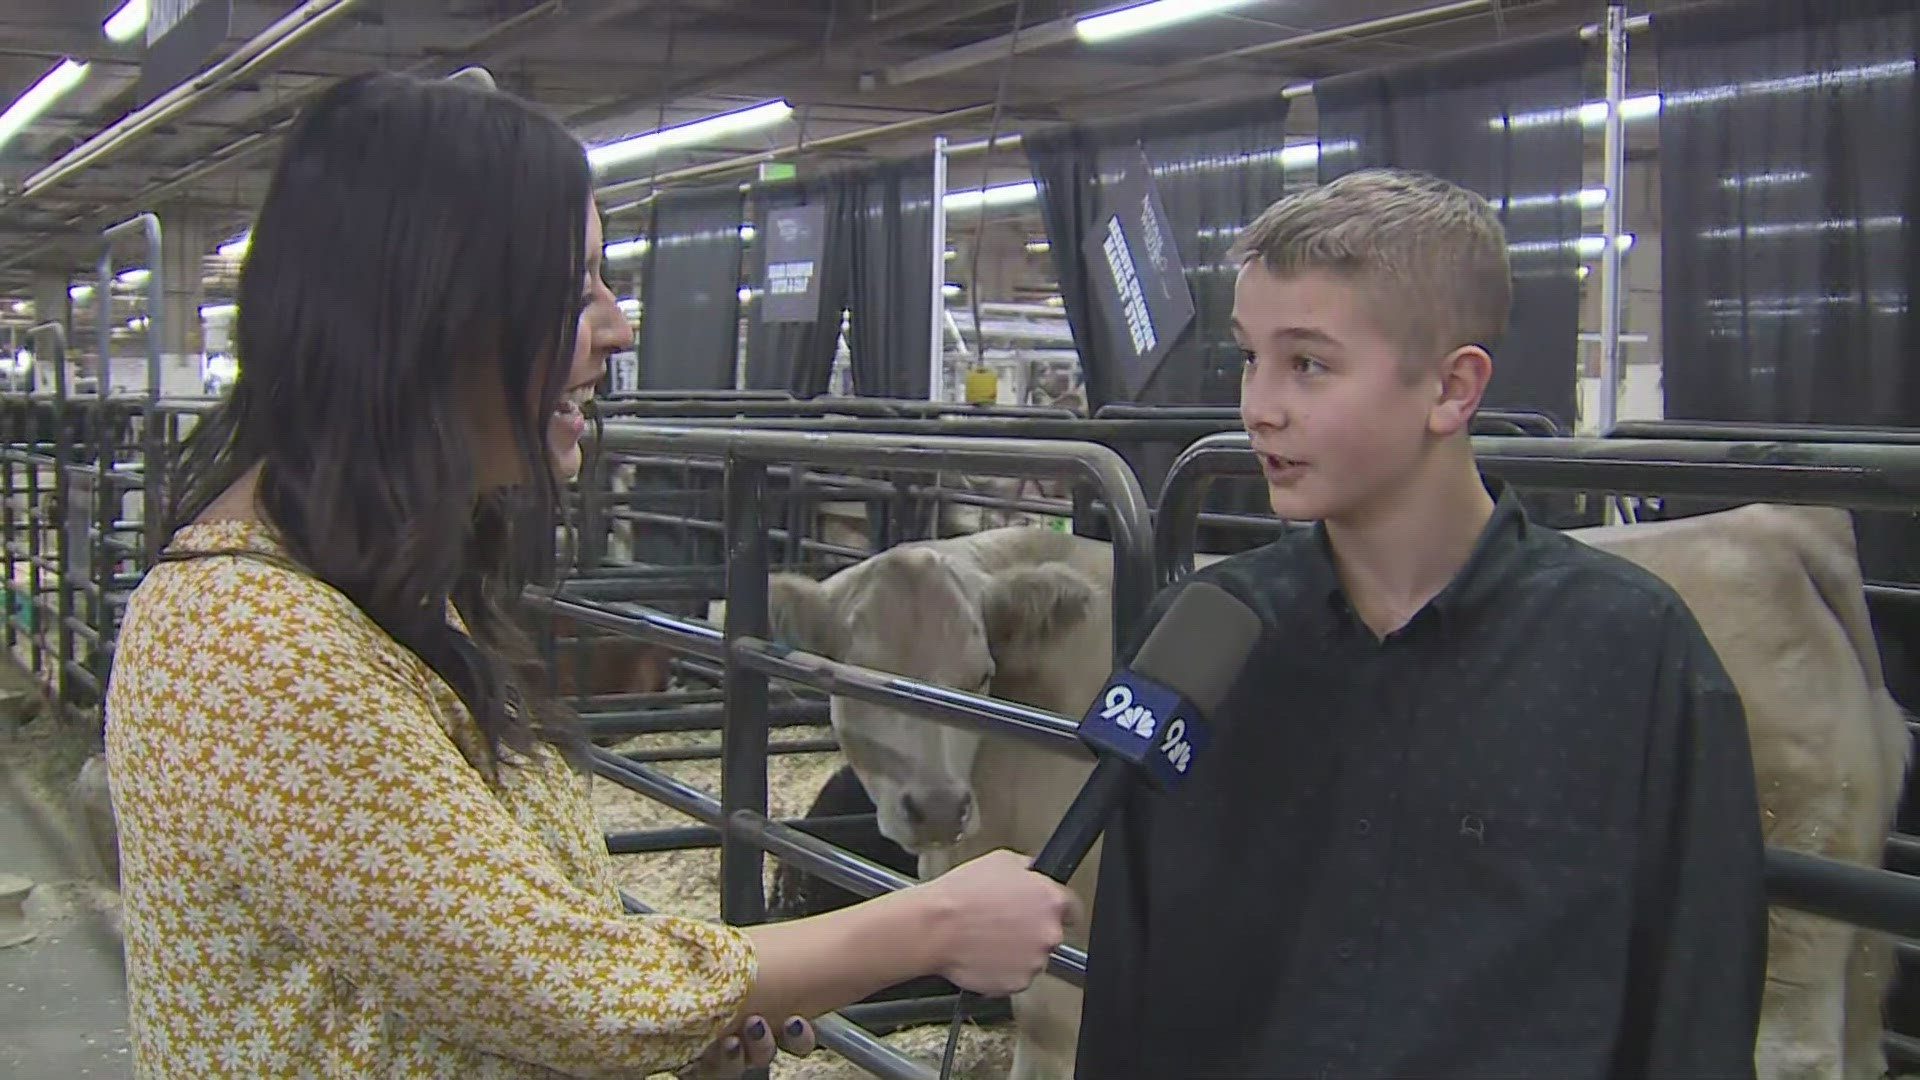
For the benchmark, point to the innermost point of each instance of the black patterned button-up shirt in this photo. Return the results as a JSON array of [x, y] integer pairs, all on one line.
[[1516, 839]]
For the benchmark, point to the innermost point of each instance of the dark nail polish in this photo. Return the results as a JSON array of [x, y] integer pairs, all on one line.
[[796, 1026], [757, 1030]]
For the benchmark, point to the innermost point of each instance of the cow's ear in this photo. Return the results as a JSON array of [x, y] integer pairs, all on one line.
[[802, 615], [1024, 608]]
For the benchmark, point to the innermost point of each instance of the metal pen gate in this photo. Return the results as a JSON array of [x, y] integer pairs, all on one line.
[[748, 659]]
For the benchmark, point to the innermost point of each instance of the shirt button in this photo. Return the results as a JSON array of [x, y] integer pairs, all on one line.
[[1362, 827], [1345, 950]]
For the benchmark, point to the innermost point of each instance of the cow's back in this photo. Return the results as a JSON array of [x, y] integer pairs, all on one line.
[[1777, 591]]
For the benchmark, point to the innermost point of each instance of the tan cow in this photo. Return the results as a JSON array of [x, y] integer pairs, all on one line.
[[1024, 614]]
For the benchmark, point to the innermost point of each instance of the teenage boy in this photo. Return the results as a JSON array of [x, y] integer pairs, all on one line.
[[1482, 804]]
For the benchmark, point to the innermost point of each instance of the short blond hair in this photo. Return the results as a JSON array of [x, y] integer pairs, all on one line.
[[1432, 254]]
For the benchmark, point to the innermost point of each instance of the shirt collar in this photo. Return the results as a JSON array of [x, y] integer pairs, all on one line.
[[1500, 539]]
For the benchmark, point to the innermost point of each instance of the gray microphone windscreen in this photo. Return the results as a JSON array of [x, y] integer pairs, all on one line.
[[1200, 644]]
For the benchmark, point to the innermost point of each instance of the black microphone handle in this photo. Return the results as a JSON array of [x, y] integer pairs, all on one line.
[[1079, 827], [1085, 819]]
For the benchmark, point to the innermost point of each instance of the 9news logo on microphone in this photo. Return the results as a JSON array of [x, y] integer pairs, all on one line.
[[1145, 723]]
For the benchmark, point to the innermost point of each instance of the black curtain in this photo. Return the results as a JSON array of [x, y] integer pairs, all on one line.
[[1504, 121], [1786, 183], [798, 356], [1788, 266], [690, 291], [1215, 167], [891, 296]]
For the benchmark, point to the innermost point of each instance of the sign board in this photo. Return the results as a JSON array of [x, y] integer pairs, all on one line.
[[796, 242], [626, 372], [1134, 269], [182, 35]]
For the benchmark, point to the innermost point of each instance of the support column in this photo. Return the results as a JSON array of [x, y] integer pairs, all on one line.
[[50, 304], [186, 237]]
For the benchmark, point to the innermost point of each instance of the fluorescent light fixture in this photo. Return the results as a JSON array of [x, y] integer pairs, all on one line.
[[1300, 155], [126, 24], [1592, 246], [1000, 195], [745, 294], [1587, 247], [50, 88], [1590, 114], [1765, 179], [1144, 18], [209, 312], [1772, 229], [624, 249], [134, 278], [622, 151], [79, 293], [1039, 246], [950, 289], [236, 247]]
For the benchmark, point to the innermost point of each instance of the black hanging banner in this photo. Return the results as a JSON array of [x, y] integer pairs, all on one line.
[[1135, 264], [1212, 168], [796, 354], [181, 37], [796, 244]]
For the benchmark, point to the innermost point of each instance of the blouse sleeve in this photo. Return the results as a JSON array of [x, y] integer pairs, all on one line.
[[344, 810]]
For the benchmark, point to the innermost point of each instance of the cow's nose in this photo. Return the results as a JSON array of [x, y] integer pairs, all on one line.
[[938, 815]]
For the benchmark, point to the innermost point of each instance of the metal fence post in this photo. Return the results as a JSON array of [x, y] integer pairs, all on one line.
[[743, 761]]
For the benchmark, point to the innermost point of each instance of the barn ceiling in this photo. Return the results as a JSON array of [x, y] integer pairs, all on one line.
[[909, 68]]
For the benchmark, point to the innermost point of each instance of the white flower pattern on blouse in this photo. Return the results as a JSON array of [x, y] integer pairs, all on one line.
[[321, 879]]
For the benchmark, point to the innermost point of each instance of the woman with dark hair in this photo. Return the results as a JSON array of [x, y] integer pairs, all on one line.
[[355, 838]]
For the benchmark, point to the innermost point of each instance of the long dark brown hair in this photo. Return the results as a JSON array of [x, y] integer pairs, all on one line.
[[415, 235]]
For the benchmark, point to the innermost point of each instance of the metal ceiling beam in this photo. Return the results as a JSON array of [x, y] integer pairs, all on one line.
[[255, 143], [915, 21], [251, 56], [1060, 31], [1170, 73]]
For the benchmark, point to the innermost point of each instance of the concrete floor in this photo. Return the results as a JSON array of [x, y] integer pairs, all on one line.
[[63, 999]]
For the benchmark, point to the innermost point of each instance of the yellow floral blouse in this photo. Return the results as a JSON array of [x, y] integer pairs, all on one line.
[[319, 880]]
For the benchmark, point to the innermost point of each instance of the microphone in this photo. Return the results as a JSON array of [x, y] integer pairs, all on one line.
[[1152, 714]]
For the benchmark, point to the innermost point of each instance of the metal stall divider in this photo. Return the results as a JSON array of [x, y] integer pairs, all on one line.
[[153, 442], [50, 340], [1839, 474], [739, 816], [107, 481]]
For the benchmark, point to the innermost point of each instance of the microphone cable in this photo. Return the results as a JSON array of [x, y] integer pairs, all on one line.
[[979, 336]]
